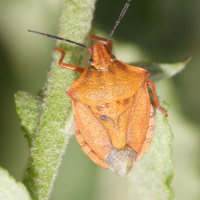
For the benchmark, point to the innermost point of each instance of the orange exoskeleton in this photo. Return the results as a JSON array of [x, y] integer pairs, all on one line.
[[113, 117]]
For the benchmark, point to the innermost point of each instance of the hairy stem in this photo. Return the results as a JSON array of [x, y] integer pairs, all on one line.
[[54, 124]]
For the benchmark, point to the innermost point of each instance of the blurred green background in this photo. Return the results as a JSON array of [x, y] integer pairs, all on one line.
[[161, 31]]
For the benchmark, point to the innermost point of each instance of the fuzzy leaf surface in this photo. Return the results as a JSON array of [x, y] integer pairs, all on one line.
[[55, 125], [28, 109], [10, 189]]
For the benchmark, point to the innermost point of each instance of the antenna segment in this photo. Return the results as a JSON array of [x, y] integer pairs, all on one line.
[[118, 21], [59, 38]]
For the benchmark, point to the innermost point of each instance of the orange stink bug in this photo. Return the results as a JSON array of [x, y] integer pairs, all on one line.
[[113, 117]]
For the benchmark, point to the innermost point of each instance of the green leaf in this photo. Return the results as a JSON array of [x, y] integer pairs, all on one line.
[[49, 129], [151, 176], [28, 109], [160, 71], [10, 189]]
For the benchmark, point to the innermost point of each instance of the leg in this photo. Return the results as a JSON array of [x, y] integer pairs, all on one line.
[[150, 83], [102, 39], [68, 66]]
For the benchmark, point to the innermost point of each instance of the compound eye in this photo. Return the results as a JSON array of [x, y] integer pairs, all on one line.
[[90, 62], [113, 57]]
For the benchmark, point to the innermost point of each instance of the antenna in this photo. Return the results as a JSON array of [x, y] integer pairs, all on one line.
[[118, 21], [59, 38]]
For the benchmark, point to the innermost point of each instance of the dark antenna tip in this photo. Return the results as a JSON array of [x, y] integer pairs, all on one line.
[[59, 38], [118, 21], [36, 32]]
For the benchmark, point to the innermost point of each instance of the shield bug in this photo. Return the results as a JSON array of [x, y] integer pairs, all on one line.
[[113, 117]]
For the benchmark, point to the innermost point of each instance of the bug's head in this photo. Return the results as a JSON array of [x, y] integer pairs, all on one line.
[[101, 57]]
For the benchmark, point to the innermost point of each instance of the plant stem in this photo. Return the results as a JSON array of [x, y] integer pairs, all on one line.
[[56, 115]]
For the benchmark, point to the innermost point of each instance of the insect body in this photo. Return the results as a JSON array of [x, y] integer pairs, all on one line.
[[114, 118]]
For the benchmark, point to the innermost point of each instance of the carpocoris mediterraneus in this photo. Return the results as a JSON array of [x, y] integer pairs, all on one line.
[[113, 117]]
